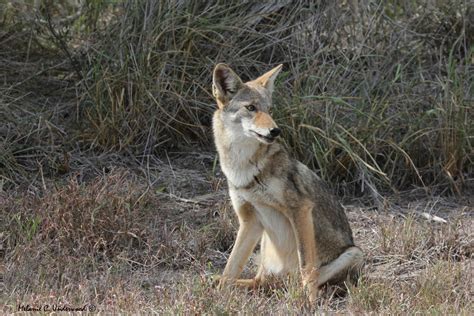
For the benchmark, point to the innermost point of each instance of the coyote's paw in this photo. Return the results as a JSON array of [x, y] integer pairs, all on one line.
[[223, 281], [310, 282], [313, 294]]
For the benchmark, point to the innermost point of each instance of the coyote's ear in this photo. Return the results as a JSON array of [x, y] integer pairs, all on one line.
[[225, 83], [268, 78]]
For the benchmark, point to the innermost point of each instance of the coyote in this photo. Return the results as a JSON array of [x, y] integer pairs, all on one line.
[[278, 200]]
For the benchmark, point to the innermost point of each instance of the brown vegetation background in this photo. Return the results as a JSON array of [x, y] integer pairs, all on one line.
[[110, 189]]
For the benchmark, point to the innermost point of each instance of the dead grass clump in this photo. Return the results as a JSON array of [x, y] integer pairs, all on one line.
[[74, 231], [372, 296], [412, 238], [438, 289], [441, 289], [101, 219], [193, 236], [414, 264]]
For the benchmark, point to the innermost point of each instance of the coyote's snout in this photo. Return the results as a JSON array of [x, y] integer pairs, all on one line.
[[278, 200], [262, 127]]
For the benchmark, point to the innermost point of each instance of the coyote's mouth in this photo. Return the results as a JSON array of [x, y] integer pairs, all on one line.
[[265, 139]]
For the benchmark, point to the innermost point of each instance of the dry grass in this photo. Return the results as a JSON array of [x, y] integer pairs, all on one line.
[[96, 209], [126, 247], [417, 265], [376, 97], [371, 96]]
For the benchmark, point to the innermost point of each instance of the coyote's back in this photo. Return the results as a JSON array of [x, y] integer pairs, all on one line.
[[278, 200]]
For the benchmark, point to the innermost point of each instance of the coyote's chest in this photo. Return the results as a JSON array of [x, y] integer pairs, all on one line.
[[254, 184], [263, 193], [243, 162], [248, 165], [241, 175]]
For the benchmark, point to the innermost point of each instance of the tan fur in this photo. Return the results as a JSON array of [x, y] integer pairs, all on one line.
[[266, 80], [264, 120], [278, 200]]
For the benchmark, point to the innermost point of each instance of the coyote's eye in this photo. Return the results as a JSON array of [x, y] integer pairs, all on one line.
[[251, 107]]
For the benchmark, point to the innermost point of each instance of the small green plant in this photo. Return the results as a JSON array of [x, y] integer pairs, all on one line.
[[28, 226]]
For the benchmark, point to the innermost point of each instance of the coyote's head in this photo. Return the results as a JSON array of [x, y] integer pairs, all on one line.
[[245, 106]]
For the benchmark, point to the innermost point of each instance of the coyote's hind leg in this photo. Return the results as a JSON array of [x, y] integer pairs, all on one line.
[[302, 222]]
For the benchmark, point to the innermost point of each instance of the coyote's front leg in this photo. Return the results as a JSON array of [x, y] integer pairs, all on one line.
[[250, 231], [302, 222]]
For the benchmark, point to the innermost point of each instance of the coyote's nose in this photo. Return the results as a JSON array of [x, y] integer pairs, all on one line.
[[274, 132]]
